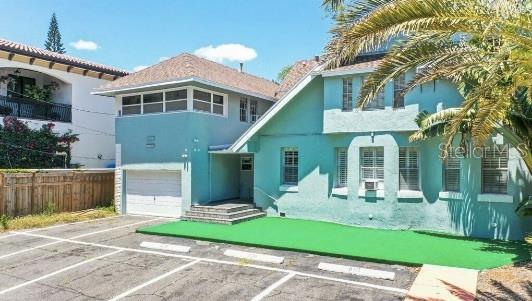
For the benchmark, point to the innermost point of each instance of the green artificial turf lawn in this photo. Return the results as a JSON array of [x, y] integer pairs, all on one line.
[[391, 246]]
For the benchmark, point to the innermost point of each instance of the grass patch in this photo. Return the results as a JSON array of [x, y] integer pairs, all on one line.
[[48, 218], [379, 245]]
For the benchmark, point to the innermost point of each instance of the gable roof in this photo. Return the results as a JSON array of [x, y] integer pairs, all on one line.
[[188, 66], [54, 57], [295, 87], [298, 70], [362, 67]]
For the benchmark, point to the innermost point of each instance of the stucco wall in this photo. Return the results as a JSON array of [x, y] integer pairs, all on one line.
[[300, 124], [96, 131], [183, 138]]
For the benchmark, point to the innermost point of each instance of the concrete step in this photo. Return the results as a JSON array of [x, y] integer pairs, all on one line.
[[222, 215], [223, 208], [223, 220]]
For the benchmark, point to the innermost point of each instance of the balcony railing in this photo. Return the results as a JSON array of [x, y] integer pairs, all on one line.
[[33, 109]]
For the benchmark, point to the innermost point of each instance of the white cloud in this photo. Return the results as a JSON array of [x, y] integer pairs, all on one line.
[[163, 58], [138, 68], [227, 52], [84, 45]]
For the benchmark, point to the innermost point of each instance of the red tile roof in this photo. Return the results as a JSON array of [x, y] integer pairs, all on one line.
[[23, 49], [186, 66]]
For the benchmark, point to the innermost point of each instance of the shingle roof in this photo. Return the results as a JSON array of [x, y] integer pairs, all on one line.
[[354, 67], [23, 49], [185, 66], [299, 70]]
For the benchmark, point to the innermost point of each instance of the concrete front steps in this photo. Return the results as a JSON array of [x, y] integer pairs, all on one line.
[[223, 213]]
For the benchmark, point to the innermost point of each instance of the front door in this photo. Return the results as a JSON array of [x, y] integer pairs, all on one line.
[[246, 177]]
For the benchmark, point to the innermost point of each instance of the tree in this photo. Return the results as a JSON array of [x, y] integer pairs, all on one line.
[[284, 71], [482, 46], [53, 42]]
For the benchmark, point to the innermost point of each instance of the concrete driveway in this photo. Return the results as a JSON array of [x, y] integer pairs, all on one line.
[[103, 260]]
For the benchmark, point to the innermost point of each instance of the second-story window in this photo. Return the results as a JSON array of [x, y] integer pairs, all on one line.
[[152, 103], [131, 105], [176, 100], [347, 94], [377, 103], [253, 111], [208, 102], [398, 86], [243, 109]]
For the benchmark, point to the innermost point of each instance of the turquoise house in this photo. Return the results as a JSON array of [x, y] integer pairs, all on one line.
[[302, 149]]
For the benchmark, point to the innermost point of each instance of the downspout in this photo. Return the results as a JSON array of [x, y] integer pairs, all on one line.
[[210, 177]]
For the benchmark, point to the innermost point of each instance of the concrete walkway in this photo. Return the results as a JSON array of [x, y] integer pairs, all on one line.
[[437, 283]]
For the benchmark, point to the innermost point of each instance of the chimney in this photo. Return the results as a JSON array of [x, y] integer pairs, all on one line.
[[317, 58], [241, 67]]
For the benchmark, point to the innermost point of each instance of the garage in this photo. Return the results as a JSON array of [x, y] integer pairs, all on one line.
[[153, 193]]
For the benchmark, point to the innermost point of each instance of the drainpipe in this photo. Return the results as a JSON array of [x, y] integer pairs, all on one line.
[[210, 177]]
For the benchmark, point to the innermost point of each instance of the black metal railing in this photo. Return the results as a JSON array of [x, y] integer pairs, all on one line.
[[24, 107]]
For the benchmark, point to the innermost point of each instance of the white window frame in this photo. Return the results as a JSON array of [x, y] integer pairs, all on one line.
[[284, 166], [190, 101], [500, 166], [244, 111], [408, 168], [341, 167], [374, 168], [253, 110], [176, 100], [212, 104], [150, 103], [122, 106]]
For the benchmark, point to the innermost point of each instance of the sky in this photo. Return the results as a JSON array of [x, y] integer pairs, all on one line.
[[131, 34]]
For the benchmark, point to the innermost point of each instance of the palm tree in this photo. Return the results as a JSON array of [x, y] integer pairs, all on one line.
[[483, 46]]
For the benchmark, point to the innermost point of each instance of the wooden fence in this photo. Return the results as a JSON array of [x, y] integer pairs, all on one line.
[[69, 190]]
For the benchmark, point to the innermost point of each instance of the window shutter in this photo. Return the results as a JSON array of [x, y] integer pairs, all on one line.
[[341, 167], [451, 173], [372, 165], [408, 169]]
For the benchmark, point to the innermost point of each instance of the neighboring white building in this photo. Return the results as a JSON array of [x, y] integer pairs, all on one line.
[[72, 105]]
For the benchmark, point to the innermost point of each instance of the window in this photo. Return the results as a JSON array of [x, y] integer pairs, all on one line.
[[376, 103], [347, 94], [246, 163], [451, 173], [372, 165], [495, 169], [18, 86], [208, 102], [253, 112], [131, 105], [176, 100], [152, 103], [408, 169], [243, 109], [341, 167], [398, 86], [290, 166]]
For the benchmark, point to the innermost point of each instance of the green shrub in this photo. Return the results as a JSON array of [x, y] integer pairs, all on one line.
[[4, 220], [50, 209]]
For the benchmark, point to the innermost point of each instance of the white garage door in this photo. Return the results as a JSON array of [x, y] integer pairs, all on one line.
[[154, 193]]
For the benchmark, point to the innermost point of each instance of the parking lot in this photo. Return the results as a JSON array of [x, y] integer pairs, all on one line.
[[104, 260]]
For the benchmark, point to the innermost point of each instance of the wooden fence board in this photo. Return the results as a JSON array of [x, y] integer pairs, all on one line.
[[69, 190]]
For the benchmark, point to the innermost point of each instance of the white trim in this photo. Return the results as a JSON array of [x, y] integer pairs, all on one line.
[[288, 188], [57, 272], [495, 198], [338, 268], [363, 193], [261, 267], [254, 256], [152, 281], [450, 195], [346, 72], [409, 194], [272, 111], [340, 191], [272, 287], [116, 92]]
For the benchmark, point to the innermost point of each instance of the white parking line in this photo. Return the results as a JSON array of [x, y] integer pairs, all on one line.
[[7, 235], [338, 268], [358, 283], [165, 247], [75, 237], [57, 272], [126, 293], [270, 288]]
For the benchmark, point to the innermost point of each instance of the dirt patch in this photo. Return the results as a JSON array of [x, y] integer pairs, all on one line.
[[511, 282]]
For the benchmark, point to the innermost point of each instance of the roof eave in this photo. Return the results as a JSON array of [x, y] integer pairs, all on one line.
[[126, 89], [329, 73]]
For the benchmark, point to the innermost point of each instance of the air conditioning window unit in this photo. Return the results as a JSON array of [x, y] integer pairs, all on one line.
[[371, 184]]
